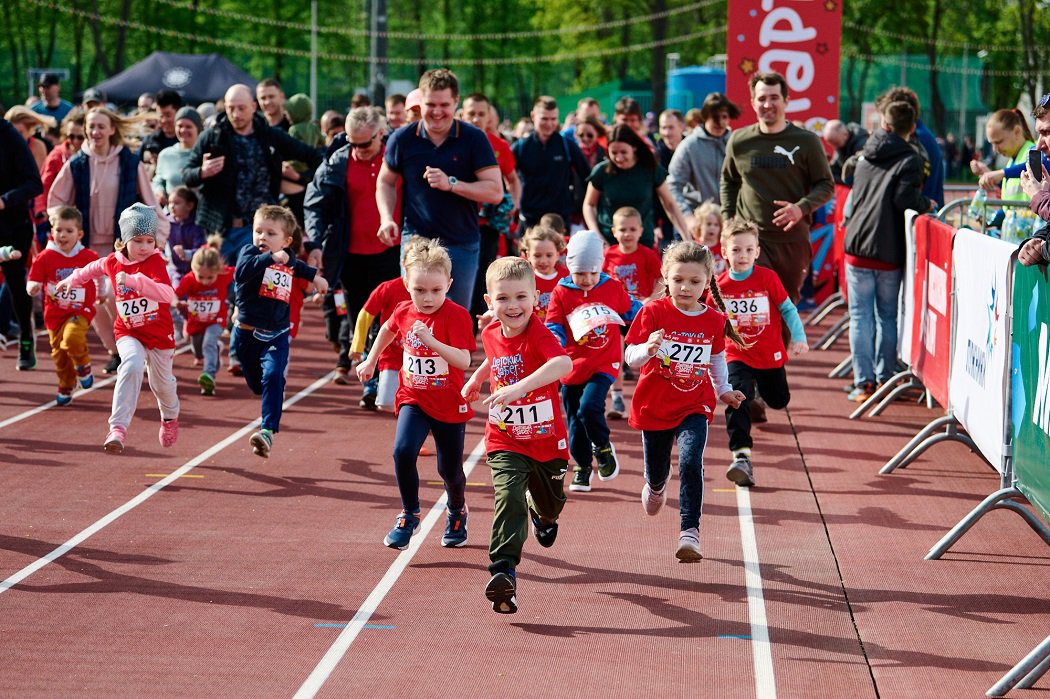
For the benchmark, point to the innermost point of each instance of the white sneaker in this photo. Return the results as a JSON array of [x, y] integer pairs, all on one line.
[[652, 501], [689, 546]]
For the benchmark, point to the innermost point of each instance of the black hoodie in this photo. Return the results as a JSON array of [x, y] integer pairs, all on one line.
[[887, 181]]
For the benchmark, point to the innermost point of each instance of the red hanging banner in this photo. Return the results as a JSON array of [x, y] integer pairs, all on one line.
[[931, 345], [801, 40]]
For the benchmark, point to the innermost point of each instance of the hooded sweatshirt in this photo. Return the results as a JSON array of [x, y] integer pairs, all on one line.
[[695, 168], [301, 111]]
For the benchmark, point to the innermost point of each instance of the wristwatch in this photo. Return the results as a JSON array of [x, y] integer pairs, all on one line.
[[452, 182]]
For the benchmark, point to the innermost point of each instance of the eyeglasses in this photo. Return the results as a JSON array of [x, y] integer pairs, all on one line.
[[366, 144], [1044, 100], [74, 137], [584, 136]]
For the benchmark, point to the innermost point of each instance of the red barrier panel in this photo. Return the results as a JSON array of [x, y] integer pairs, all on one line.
[[838, 247], [932, 320]]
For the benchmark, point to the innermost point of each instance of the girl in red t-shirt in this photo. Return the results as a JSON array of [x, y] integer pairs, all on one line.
[[438, 337], [543, 247], [202, 299], [143, 327], [678, 342], [707, 230]]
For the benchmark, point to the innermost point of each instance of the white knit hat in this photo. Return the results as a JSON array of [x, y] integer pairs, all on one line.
[[137, 219]]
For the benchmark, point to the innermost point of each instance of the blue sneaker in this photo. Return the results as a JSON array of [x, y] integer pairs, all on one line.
[[84, 376], [545, 533], [501, 592], [405, 526], [455, 529], [64, 398]]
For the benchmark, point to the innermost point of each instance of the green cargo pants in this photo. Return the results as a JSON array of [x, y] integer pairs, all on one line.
[[512, 475]]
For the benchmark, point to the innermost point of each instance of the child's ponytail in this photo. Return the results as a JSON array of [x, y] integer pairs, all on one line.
[[731, 332]]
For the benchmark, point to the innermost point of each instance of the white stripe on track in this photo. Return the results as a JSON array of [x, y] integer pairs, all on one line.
[[765, 682], [80, 392], [150, 491], [342, 643]]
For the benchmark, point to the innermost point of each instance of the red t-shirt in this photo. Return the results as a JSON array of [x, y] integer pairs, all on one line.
[[51, 267], [426, 378], [544, 288], [638, 271], [532, 425], [753, 307], [146, 320], [295, 306], [361, 178], [716, 256], [381, 304], [676, 382], [205, 305], [590, 320], [504, 155]]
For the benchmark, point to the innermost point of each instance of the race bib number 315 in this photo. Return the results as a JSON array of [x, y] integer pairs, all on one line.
[[586, 318]]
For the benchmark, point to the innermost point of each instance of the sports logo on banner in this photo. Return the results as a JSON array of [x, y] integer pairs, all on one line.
[[931, 332], [799, 40], [977, 388]]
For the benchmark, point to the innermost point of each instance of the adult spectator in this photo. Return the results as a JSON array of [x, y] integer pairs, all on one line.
[[92, 98], [51, 103], [1036, 250], [590, 134], [19, 184], [72, 139], [776, 174], [547, 162], [446, 168], [630, 177], [695, 168], [628, 112], [1008, 133], [396, 114], [846, 139], [933, 186], [270, 96], [341, 214], [413, 106], [693, 118], [101, 180], [29, 123], [237, 167], [146, 102], [587, 107], [332, 124], [172, 160], [360, 100], [168, 102], [886, 183], [672, 131]]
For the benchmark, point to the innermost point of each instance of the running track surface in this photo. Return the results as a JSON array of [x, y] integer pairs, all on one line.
[[238, 578]]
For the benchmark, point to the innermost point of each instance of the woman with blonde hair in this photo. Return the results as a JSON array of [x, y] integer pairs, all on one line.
[[101, 180], [27, 122]]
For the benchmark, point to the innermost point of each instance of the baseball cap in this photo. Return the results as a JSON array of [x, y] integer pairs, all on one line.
[[93, 95], [47, 80], [414, 100]]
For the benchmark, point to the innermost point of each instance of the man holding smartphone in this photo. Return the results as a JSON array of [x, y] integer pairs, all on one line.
[[1036, 184]]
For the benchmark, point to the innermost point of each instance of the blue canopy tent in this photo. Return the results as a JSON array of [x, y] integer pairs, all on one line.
[[197, 77]]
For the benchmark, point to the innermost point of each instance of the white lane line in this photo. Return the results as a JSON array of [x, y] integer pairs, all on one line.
[[348, 635], [80, 392], [151, 491], [765, 683]]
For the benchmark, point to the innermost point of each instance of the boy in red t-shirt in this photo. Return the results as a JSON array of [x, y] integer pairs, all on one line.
[[202, 293], [438, 337], [638, 269], [380, 305], [583, 314], [525, 434], [66, 315], [756, 302]]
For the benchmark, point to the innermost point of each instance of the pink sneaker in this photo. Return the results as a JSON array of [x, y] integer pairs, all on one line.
[[114, 443], [169, 432]]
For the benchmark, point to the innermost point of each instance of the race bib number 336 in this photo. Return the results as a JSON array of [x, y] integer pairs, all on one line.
[[749, 312]]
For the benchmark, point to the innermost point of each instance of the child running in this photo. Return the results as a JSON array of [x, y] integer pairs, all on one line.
[[143, 327], [380, 305], [638, 269], [543, 247], [679, 344], [756, 301], [438, 337], [264, 281], [525, 434], [202, 293], [583, 311], [66, 314], [707, 230]]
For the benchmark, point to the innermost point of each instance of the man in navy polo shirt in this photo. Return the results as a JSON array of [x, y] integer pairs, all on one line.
[[547, 161], [446, 168]]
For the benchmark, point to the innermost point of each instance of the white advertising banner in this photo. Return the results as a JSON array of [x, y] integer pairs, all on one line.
[[980, 361], [906, 310]]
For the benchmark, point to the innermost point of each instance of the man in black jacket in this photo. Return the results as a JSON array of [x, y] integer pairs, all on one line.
[[237, 165], [887, 182]]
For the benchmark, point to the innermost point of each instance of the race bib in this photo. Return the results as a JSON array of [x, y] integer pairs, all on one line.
[[684, 359], [749, 312], [524, 420], [67, 298], [204, 309], [137, 312], [340, 303], [277, 283], [584, 319], [424, 372]]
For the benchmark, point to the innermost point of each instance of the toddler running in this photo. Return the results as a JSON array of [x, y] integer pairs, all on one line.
[[202, 293]]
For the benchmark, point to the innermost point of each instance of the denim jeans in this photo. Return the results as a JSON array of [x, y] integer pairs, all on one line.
[[873, 299], [206, 346], [413, 426], [691, 436], [464, 268], [584, 406], [263, 364]]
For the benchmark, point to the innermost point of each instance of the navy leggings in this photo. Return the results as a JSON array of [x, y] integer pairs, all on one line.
[[413, 426]]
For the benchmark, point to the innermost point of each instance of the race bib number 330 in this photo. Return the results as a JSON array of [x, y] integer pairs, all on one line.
[[277, 283]]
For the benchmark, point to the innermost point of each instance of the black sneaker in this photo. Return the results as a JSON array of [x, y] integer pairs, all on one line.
[[581, 479], [501, 592], [113, 364], [544, 533], [740, 472], [455, 529], [608, 466], [26, 355], [368, 401]]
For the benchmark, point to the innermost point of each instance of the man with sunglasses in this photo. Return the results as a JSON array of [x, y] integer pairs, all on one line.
[[1036, 250], [341, 214]]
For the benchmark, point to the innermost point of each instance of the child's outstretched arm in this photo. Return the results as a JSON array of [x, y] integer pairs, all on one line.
[[253, 262], [360, 340], [789, 313], [555, 321], [456, 357], [89, 272], [720, 381], [147, 286], [553, 370], [368, 367], [472, 388]]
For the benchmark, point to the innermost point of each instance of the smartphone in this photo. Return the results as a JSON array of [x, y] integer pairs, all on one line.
[[1035, 164]]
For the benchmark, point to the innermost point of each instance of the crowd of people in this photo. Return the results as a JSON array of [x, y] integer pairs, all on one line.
[[582, 254]]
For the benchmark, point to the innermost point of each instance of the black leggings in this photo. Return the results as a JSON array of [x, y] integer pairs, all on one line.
[[15, 277]]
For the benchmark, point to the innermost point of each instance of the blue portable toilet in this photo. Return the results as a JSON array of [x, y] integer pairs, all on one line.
[[687, 87]]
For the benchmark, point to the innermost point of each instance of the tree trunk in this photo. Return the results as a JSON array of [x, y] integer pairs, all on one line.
[[659, 57], [119, 49], [936, 103], [100, 52], [625, 58], [1026, 9], [16, 74]]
